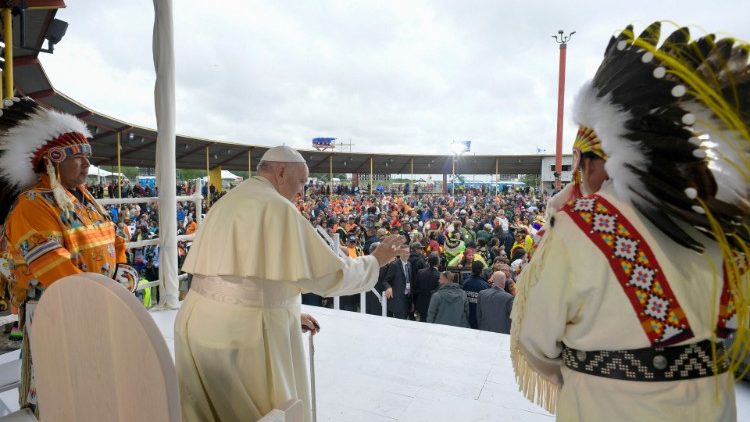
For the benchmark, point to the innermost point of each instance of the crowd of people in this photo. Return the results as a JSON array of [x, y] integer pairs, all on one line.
[[470, 242], [478, 241]]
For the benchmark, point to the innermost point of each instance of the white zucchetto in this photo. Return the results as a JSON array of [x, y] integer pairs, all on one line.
[[283, 154]]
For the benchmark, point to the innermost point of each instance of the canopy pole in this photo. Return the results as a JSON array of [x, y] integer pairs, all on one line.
[[166, 162], [208, 176], [250, 162], [371, 175], [119, 168], [497, 174], [412, 173], [330, 174], [8, 39], [453, 174]]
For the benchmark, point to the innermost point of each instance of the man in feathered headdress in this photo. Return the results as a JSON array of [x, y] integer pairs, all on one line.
[[50, 226], [588, 171], [629, 322]]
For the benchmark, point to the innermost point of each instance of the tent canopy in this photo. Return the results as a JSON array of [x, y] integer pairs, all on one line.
[[227, 175], [95, 171]]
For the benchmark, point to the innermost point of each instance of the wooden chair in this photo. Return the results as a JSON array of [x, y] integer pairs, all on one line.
[[99, 356], [23, 415]]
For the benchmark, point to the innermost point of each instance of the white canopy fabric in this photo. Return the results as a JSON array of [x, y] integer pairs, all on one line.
[[226, 175], [95, 171]]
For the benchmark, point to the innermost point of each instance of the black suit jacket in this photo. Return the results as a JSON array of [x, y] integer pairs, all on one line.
[[395, 278], [417, 263], [425, 283], [368, 242]]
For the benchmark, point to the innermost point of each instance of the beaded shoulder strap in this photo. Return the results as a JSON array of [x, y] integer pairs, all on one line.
[[636, 268], [728, 319]]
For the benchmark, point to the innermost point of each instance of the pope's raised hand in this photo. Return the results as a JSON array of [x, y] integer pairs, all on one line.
[[390, 248]]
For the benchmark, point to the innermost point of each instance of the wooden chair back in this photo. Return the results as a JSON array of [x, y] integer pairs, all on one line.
[[99, 356]]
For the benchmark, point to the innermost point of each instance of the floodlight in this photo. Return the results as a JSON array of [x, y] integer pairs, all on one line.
[[55, 32], [457, 147]]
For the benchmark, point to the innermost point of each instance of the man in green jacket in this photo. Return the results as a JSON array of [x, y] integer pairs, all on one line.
[[449, 304]]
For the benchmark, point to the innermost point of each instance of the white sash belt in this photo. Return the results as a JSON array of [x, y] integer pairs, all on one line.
[[247, 292]]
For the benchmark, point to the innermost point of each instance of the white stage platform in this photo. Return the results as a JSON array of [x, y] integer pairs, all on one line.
[[370, 368]]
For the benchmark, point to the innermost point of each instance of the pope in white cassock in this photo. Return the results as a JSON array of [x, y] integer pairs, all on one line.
[[238, 343]]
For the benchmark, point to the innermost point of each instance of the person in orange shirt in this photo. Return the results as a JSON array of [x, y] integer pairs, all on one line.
[[352, 248], [123, 230], [351, 225], [51, 225], [192, 226]]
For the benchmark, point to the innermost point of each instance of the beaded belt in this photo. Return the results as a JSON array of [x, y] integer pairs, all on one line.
[[649, 364]]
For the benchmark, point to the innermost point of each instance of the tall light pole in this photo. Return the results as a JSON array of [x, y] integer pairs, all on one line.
[[561, 39], [453, 175], [457, 148]]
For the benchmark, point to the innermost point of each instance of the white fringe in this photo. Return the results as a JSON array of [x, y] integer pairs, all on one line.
[[531, 384], [61, 196]]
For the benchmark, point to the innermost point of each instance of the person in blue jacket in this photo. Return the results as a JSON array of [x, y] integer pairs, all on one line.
[[472, 286]]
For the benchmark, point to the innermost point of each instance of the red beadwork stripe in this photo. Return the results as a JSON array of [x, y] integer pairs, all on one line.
[[727, 323], [636, 268]]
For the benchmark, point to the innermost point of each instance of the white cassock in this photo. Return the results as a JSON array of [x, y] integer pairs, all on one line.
[[238, 343], [569, 295]]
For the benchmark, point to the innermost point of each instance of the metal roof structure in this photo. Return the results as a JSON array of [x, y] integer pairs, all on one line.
[[138, 144]]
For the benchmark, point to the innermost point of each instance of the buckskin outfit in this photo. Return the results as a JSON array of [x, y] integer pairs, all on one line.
[[623, 309]]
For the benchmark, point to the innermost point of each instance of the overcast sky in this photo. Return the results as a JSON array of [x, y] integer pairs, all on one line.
[[393, 76]]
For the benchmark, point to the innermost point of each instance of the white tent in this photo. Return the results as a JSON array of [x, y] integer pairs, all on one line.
[[227, 175], [95, 171]]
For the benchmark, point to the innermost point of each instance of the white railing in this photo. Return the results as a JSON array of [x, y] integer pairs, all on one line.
[[155, 241], [334, 244], [157, 283], [196, 198]]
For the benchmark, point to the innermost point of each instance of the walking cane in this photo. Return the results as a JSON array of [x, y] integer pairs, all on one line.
[[312, 378]]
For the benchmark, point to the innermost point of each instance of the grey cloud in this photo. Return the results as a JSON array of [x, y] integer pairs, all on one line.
[[393, 76]]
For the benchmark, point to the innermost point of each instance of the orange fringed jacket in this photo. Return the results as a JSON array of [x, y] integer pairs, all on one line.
[[42, 245]]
